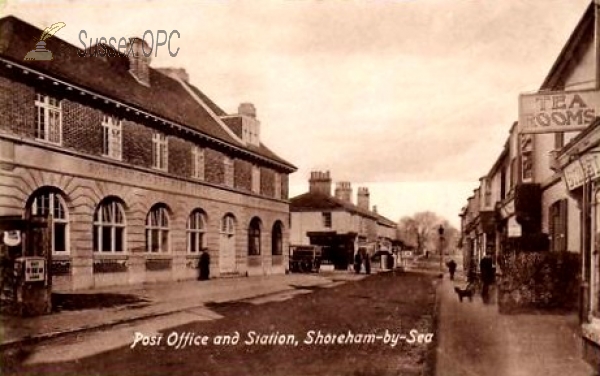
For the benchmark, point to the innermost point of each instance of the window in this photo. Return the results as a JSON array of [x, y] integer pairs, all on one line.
[[228, 225], [326, 219], [196, 226], [109, 227], [198, 162], [277, 185], [48, 121], [254, 237], [159, 151], [157, 230], [558, 225], [46, 204], [277, 239], [228, 166], [255, 179], [111, 137]]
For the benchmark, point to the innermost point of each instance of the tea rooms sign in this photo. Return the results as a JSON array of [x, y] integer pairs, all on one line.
[[566, 111]]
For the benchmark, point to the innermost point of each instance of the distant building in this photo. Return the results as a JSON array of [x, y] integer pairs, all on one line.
[[336, 223], [138, 169]]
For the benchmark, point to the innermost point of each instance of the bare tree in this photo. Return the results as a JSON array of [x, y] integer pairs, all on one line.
[[421, 232]]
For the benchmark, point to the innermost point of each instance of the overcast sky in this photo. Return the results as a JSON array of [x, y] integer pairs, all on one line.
[[412, 98]]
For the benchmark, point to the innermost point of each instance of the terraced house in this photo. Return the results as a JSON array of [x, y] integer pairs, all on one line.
[[138, 169]]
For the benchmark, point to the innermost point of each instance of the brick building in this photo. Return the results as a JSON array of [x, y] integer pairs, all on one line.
[[138, 169]]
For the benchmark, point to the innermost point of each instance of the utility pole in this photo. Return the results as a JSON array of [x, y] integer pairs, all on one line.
[[441, 234]]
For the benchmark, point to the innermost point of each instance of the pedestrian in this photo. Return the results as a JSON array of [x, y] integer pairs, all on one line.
[[204, 265], [451, 268], [486, 268], [367, 264], [357, 262]]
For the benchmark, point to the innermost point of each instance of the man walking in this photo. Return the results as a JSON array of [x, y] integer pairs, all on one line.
[[486, 267]]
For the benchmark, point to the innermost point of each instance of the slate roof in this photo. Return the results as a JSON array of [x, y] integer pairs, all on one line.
[[316, 201], [165, 98]]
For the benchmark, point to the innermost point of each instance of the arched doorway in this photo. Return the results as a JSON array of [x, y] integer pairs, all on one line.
[[227, 261]]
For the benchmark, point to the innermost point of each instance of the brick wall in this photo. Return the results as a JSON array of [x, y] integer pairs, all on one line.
[[17, 110], [267, 182], [82, 128], [137, 144], [242, 174], [180, 157], [214, 171]]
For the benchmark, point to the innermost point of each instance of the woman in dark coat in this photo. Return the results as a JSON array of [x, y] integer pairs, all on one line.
[[357, 262], [204, 265]]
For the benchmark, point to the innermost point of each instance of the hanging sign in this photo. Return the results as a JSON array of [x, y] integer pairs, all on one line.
[[566, 111]]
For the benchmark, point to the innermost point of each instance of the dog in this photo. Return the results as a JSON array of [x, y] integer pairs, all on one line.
[[466, 291]]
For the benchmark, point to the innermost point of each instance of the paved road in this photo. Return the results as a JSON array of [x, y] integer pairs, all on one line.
[[389, 302]]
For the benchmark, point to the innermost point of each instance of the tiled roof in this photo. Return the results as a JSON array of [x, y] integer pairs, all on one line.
[[165, 98], [315, 201]]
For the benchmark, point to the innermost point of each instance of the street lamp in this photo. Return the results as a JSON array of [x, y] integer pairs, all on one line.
[[441, 234]]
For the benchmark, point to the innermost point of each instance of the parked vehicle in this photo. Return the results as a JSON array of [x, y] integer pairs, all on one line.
[[305, 258]]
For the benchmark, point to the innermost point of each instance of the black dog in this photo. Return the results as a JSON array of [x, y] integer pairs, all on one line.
[[467, 291]]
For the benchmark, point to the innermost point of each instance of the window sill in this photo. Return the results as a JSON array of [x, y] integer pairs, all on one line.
[[159, 256], [110, 256]]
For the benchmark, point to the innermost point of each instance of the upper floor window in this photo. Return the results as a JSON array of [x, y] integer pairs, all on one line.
[[197, 162], [48, 121], [159, 151], [255, 179], [228, 166], [326, 219], [111, 137], [109, 227]]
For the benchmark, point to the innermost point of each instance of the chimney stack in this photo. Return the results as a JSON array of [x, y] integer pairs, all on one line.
[[247, 109], [362, 198], [343, 191], [374, 209], [139, 60], [320, 182]]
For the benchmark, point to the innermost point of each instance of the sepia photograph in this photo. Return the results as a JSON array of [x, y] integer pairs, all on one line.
[[299, 187]]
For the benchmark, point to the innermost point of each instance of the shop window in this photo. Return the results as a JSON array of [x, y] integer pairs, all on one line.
[[109, 227], [277, 239], [254, 237], [48, 203], [196, 227], [157, 230]]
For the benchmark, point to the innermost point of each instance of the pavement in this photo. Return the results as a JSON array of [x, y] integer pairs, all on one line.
[[175, 302], [475, 340]]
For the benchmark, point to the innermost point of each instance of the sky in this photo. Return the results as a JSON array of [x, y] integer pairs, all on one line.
[[410, 98]]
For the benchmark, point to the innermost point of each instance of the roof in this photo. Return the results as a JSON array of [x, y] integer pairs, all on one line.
[[585, 28], [166, 97], [317, 201]]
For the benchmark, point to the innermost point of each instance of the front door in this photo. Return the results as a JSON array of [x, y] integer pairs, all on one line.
[[227, 254]]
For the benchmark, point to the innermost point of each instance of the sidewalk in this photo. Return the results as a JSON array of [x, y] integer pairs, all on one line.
[[153, 300], [475, 340]]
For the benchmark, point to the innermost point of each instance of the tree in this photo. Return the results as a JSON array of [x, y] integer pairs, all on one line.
[[421, 232]]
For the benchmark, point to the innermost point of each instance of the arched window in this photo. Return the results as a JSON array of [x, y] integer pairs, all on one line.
[[49, 203], [228, 225], [254, 237], [277, 239], [196, 226], [109, 227], [157, 230]]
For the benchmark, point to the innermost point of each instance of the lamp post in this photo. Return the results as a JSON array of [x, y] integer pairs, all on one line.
[[441, 234]]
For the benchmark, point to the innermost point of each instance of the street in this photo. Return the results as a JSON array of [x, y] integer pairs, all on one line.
[[381, 325]]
